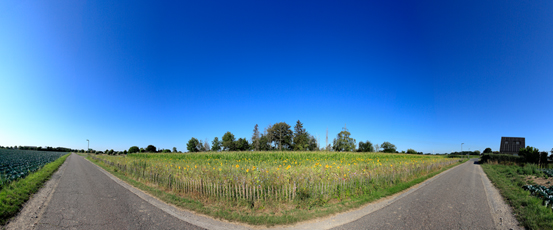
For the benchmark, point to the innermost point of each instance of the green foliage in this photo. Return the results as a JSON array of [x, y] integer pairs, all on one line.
[[301, 137], [343, 142], [151, 149], [134, 149], [533, 155], [175, 149], [17, 164], [255, 138], [388, 147], [142, 150], [242, 144], [411, 151], [166, 151], [192, 145], [488, 150], [264, 143], [282, 135], [15, 194], [228, 142], [529, 210], [215, 144], [365, 147], [501, 158]]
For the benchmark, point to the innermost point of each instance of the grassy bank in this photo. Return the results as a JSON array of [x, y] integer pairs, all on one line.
[[14, 195], [528, 209], [272, 212]]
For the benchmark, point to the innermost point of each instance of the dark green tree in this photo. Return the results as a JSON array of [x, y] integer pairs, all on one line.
[[281, 135], [388, 147], [192, 145], [151, 149], [228, 142], [125, 152], [216, 145], [488, 150], [134, 149], [255, 138], [166, 151], [242, 144], [301, 137], [411, 151], [174, 149], [533, 155], [201, 146], [343, 141], [142, 150], [264, 143], [365, 147]]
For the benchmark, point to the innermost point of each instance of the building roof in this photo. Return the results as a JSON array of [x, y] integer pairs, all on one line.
[[511, 144]]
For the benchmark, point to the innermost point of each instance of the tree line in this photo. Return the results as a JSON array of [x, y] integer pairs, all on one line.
[[281, 137]]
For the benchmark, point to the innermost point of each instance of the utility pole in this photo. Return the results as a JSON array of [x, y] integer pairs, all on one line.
[[462, 148], [326, 146]]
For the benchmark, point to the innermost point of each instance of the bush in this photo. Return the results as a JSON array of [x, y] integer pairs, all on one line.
[[501, 158]]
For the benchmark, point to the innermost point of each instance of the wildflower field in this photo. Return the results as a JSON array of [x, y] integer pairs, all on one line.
[[266, 180]]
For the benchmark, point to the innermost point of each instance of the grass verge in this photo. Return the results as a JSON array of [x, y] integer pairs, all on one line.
[[269, 219], [14, 195], [528, 209]]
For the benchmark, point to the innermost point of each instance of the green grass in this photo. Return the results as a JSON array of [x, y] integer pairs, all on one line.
[[528, 209], [300, 211], [14, 195]]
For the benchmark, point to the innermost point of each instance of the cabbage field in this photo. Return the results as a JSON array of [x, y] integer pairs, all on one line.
[[17, 164]]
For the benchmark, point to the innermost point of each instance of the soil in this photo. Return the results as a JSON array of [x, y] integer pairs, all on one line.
[[540, 180]]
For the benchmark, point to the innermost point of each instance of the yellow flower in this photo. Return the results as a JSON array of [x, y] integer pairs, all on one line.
[[247, 170], [219, 169], [237, 166]]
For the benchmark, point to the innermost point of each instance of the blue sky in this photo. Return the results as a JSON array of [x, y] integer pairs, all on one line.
[[427, 75]]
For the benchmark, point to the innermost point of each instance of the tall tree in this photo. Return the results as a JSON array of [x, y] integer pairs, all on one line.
[[488, 150], [268, 136], [216, 145], [388, 147], [282, 135], [264, 143], [255, 138], [192, 145], [376, 148], [343, 141], [301, 137], [174, 149], [151, 149], [228, 142], [313, 145]]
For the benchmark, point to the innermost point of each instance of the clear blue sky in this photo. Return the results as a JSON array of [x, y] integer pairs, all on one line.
[[428, 75]]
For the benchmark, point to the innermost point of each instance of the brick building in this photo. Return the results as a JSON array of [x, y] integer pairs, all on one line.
[[511, 145]]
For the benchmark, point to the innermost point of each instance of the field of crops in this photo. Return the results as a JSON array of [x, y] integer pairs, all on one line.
[[17, 164], [274, 176]]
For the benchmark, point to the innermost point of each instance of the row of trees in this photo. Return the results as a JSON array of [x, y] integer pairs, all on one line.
[[281, 137]]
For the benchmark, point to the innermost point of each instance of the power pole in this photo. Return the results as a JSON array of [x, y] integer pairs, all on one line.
[[326, 146]]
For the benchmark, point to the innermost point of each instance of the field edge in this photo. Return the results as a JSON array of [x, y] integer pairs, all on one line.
[[292, 217], [528, 209], [17, 193]]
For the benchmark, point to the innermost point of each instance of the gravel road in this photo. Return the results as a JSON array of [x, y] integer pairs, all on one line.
[[86, 198], [462, 198]]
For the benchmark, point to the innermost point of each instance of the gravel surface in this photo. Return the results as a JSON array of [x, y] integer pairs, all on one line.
[[86, 198]]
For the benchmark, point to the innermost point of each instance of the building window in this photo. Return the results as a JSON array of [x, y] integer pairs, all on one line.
[[518, 143], [506, 142]]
